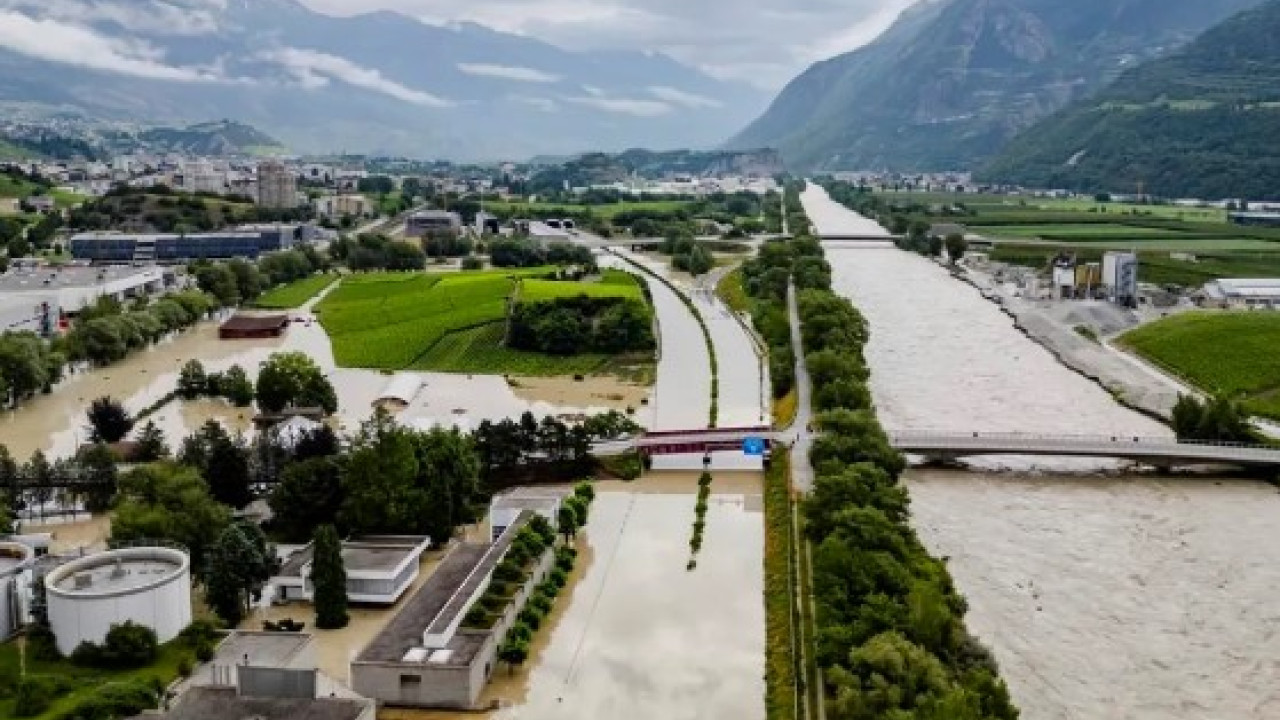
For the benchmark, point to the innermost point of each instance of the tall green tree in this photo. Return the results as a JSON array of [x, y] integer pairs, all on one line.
[[152, 444], [294, 380], [109, 422], [308, 495], [223, 461], [379, 480], [236, 572], [329, 579], [165, 501], [192, 380], [99, 477]]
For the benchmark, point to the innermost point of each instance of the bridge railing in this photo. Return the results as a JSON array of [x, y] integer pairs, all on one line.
[[1027, 438]]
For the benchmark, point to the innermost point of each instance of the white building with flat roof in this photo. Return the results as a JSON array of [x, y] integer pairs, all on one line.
[[380, 568], [1243, 294]]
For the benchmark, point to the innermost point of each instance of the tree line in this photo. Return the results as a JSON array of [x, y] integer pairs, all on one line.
[[109, 330], [582, 324], [890, 634]]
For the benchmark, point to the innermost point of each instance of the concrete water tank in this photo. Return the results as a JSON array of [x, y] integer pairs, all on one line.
[[150, 586], [15, 566]]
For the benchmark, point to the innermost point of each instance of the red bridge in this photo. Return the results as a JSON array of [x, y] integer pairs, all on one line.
[[700, 442]]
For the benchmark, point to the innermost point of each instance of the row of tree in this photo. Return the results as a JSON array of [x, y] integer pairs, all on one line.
[[890, 631]]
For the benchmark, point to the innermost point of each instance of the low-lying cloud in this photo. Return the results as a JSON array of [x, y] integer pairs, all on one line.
[[62, 42], [314, 69], [508, 72]]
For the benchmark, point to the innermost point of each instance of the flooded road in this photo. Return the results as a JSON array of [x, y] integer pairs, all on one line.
[[1102, 597], [682, 394]]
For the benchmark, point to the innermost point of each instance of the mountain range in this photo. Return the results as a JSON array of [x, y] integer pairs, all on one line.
[[380, 82], [1202, 122], [952, 81]]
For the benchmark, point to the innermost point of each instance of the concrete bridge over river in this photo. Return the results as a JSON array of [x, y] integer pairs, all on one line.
[[1157, 452]]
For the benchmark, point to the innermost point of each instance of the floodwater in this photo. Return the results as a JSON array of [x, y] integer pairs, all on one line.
[[1141, 598], [1102, 597], [56, 423], [682, 394], [640, 636]]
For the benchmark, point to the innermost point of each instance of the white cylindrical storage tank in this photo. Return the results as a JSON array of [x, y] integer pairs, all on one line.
[[15, 563], [150, 586]]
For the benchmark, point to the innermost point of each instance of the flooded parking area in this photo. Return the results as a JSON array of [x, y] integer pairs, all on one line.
[[1116, 597]]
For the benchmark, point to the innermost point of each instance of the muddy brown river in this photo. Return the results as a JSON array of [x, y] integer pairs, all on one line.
[[1122, 596]]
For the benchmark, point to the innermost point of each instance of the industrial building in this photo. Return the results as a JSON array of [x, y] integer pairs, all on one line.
[[277, 187], [16, 560], [424, 657], [379, 569], [243, 326], [149, 586], [248, 242], [425, 222], [40, 298], [1242, 294]]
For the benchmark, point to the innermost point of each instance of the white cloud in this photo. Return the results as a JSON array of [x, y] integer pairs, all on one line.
[[508, 72], [315, 68], [61, 42], [762, 44], [155, 17], [693, 101], [622, 106]]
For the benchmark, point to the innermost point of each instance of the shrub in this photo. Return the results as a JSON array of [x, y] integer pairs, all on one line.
[[185, 666], [41, 643], [34, 695], [205, 650], [115, 700], [130, 645], [558, 577], [532, 618]]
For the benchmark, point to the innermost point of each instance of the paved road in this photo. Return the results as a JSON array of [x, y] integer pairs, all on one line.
[[799, 434]]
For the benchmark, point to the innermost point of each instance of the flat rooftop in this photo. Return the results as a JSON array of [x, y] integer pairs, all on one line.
[[25, 280], [263, 649], [224, 704], [370, 554], [404, 632], [112, 576]]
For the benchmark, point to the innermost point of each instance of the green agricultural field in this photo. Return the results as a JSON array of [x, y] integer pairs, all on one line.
[[1232, 353], [393, 331], [546, 290], [479, 351], [1155, 245], [1103, 231], [294, 294], [452, 322]]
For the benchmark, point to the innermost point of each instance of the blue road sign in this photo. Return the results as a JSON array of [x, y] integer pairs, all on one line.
[[753, 446]]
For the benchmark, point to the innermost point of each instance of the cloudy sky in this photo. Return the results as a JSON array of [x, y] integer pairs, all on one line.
[[762, 43]]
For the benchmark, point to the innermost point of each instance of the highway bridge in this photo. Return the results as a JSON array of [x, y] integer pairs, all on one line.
[[1157, 452]]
